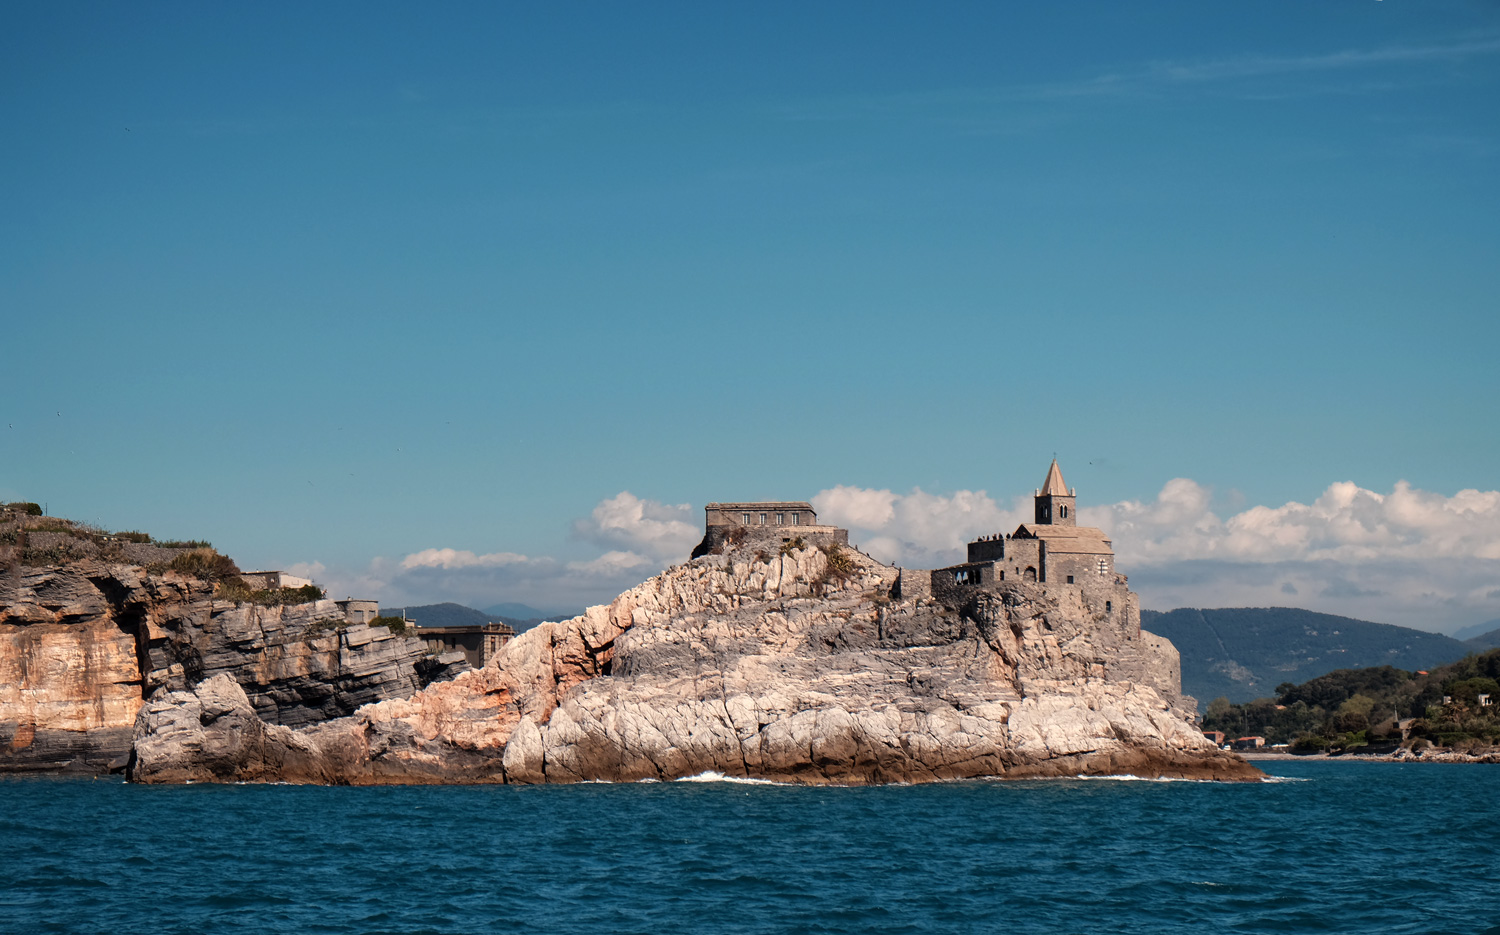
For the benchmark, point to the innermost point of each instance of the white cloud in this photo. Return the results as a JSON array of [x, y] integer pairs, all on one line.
[[313, 571], [613, 564], [1346, 524], [917, 529], [460, 558], [1408, 556], [638, 538], [626, 522]]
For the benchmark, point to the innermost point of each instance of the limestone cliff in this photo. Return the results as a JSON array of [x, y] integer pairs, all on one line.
[[797, 666], [83, 643]]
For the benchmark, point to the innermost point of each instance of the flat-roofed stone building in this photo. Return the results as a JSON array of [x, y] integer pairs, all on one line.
[[271, 580], [359, 611], [771, 522], [478, 642]]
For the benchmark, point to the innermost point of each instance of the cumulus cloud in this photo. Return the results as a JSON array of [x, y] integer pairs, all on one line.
[[664, 531], [459, 558], [1409, 556], [1347, 524], [917, 529], [638, 538], [1406, 556]]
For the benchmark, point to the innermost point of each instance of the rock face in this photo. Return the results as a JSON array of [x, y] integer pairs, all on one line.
[[82, 644], [794, 666]]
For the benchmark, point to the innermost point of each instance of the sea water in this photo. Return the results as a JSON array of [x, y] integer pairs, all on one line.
[[1327, 847]]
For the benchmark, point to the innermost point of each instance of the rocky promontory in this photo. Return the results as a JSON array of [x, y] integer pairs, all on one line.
[[804, 665], [87, 634]]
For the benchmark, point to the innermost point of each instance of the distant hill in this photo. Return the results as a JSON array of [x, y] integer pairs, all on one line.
[[1477, 630], [1483, 641], [1243, 653], [444, 615], [457, 615], [527, 612]]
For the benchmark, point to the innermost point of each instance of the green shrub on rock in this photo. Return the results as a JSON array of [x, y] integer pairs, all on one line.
[[206, 564], [396, 625]]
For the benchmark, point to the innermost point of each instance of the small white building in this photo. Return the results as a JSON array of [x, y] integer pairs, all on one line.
[[271, 580]]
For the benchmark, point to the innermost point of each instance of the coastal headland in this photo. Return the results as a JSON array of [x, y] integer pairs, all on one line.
[[779, 653]]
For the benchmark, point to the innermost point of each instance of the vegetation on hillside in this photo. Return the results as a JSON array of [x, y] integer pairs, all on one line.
[[29, 538], [396, 625], [235, 589], [1457, 705]]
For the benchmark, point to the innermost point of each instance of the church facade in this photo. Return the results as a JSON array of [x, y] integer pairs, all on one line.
[[1053, 552]]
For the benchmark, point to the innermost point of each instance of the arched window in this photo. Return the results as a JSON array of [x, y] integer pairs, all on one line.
[[1029, 574], [1063, 512]]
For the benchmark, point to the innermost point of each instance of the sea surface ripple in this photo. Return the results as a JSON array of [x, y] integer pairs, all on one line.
[[1343, 847]]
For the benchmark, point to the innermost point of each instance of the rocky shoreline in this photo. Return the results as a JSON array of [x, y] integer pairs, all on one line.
[[794, 667], [1401, 756], [83, 644]]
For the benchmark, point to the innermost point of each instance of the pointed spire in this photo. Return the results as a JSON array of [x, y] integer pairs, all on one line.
[[1054, 486]]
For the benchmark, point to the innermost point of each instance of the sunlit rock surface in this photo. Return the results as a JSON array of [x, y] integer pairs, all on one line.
[[750, 664]]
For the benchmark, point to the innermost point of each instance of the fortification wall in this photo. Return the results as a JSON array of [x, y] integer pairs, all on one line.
[[715, 538]]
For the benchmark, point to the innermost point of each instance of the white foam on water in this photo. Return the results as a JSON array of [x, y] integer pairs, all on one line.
[[715, 776], [1125, 778]]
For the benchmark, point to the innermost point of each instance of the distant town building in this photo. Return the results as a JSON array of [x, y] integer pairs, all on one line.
[[478, 642], [1217, 736], [271, 580], [1249, 743]]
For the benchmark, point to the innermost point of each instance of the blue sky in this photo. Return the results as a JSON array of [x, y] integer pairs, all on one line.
[[338, 286]]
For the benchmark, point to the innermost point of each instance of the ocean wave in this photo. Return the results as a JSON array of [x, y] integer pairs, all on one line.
[[715, 776], [1127, 778]]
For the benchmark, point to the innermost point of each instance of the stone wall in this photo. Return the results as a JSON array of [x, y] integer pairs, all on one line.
[[715, 538], [733, 514]]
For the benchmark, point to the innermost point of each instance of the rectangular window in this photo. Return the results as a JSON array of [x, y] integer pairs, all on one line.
[[745, 518], [1070, 579], [780, 519], [796, 519], [1109, 606], [762, 519]]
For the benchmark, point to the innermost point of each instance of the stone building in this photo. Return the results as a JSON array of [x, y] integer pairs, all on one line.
[[769, 522], [1073, 565], [479, 642], [358, 611], [271, 580], [1054, 551]]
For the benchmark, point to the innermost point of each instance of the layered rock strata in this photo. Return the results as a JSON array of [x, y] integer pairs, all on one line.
[[82, 645], [795, 666]]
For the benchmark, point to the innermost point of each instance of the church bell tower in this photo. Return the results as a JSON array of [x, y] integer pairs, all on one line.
[[1054, 502]]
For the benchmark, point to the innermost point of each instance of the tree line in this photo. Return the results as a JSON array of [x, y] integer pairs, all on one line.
[[1456, 706]]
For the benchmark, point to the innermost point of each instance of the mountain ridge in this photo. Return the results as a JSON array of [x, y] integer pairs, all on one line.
[[1244, 653]]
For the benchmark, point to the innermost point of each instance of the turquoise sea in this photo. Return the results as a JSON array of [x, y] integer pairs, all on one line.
[[1328, 847]]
